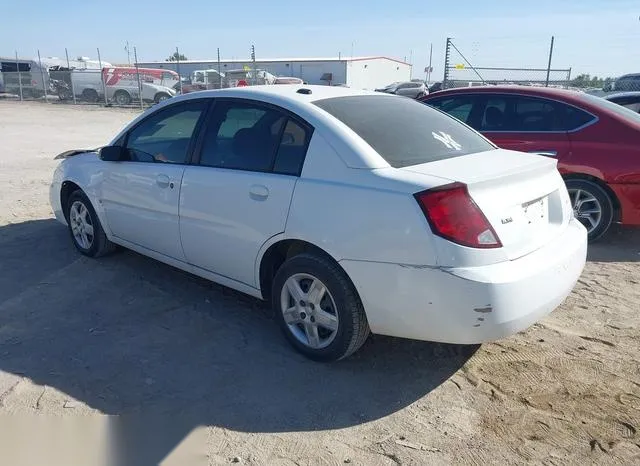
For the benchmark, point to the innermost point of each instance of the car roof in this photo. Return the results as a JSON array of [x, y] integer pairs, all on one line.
[[286, 94], [565, 95]]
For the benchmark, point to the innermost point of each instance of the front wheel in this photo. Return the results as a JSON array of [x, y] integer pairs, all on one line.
[[318, 308], [592, 206], [161, 96], [85, 228]]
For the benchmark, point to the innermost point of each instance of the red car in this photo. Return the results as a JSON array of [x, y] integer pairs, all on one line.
[[596, 142]]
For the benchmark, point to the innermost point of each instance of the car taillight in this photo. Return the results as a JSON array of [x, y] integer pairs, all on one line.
[[453, 215]]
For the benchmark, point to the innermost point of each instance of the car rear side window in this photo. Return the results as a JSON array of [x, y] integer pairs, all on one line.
[[245, 135], [292, 149], [574, 118], [404, 132]]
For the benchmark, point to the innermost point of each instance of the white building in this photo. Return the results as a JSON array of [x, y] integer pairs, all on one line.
[[356, 72]]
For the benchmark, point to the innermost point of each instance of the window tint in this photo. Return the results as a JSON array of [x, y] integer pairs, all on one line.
[[575, 118], [493, 117], [242, 136], [293, 148], [457, 107], [515, 113], [403, 131], [534, 115], [165, 136]]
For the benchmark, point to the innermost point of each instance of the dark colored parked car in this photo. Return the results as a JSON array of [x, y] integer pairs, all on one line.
[[596, 142], [631, 100], [628, 82]]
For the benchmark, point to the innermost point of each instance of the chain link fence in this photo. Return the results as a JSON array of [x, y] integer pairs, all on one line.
[[83, 80], [466, 67], [468, 62]]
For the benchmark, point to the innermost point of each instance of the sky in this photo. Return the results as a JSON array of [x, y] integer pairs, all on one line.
[[599, 37]]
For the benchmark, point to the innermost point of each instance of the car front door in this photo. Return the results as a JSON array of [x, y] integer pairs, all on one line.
[[238, 194], [140, 195]]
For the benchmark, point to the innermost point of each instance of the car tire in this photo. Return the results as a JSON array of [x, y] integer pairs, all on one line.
[[337, 315], [122, 98], [592, 206], [90, 95], [160, 97], [85, 228]]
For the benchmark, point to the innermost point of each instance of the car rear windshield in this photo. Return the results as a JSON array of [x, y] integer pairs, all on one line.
[[403, 131], [624, 112]]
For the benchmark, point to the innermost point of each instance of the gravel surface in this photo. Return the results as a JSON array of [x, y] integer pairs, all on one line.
[[125, 335]]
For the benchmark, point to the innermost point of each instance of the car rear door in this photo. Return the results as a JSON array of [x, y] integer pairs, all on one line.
[[238, 194], [523, 123]]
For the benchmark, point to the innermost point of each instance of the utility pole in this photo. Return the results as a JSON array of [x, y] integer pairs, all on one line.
[[219, 71], [126, 47]]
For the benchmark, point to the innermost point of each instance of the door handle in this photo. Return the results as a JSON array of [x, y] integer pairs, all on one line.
[[258, 192], [547, 153], [163, 181]]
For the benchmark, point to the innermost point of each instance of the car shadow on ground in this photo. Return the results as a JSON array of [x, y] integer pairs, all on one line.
[[620, 244], [130, 336]]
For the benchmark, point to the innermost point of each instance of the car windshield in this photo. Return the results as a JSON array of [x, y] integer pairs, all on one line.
[[405, 132], [624, 112]]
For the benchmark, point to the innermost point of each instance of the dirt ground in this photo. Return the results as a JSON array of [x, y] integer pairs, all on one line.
[[125, 335]]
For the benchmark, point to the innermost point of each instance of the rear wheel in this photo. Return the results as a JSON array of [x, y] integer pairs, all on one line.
[[318, 309], [592, 206], [85, 228], [90, 95], [122, 98]]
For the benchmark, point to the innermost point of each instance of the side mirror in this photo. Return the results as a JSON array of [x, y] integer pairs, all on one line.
[[112, 153]]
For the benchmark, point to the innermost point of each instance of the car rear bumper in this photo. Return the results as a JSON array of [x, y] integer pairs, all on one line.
[[629, 197], [474, 304]]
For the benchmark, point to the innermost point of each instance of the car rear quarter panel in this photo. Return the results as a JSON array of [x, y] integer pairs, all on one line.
[[609, 151], [359, 214]]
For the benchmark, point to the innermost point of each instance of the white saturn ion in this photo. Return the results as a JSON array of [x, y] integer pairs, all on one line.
[[350, 211]]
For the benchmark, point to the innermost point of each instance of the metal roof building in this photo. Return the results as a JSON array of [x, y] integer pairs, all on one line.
[[357, 72]]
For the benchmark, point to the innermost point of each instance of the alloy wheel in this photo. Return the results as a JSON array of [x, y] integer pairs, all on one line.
[[586, 208], [309, 310], [81, 226]]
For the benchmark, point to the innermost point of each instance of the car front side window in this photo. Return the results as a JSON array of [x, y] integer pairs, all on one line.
[[165, 136]]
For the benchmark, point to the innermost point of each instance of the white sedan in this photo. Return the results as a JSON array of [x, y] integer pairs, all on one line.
[[350, 211]]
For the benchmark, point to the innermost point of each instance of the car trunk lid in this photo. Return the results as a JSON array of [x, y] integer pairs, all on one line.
[[522, 196]]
